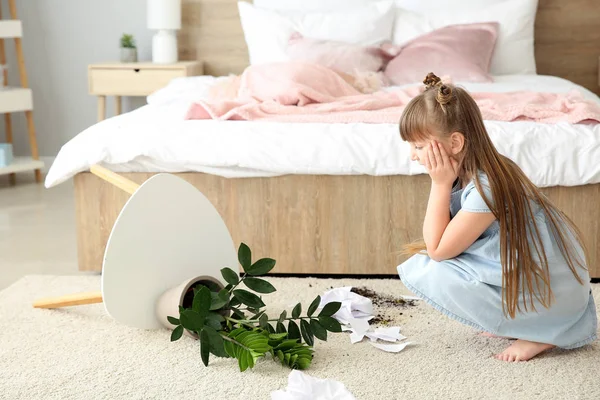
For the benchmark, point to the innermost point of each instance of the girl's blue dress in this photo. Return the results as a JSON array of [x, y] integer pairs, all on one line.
[[468, 287]]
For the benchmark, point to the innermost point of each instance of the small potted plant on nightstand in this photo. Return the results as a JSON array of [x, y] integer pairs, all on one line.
[[128, 49]]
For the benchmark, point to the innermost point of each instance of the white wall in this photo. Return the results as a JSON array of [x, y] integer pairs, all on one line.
[[60, 39]]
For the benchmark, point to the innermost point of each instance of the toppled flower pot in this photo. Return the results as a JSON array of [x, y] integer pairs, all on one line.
[[171, 300]]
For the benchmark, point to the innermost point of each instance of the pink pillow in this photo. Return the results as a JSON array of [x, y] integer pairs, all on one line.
[[462, 51], [344, 57]]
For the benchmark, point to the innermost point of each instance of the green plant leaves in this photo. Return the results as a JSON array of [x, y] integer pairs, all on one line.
[[262, 321], [277, 336], [313, 306], [230, 275], [204, 347], [245, 256], [302, 363], [248, 298], [306, 332], [214, 320], [280, 355], [318, 330], [270, 328], [280, 328], [330, 323], [294, 355], [296, 311], [247, 347], [224, 330], [216, 342], [177, 333], [293, 330], [259, 285], [258, 314], [255, 311], [330, 308], [261, 267], [282, 316], [191, 320], [237, 314], [217, 301], [202, 299]]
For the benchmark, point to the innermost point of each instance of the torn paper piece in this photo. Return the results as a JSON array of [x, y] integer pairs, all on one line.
[[353, 305], [389, 334], [392, 347], [354, 315], [359, 328], [305, 387]]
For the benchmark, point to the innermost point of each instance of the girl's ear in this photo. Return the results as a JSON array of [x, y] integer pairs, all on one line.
[[457, 142]]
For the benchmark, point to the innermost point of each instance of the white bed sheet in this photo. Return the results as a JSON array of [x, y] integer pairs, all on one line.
[[155, 138]]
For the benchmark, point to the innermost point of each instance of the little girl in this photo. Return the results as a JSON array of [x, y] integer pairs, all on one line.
[[497, 254]]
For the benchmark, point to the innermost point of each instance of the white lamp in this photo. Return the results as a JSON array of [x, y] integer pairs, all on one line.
[[165, 17]]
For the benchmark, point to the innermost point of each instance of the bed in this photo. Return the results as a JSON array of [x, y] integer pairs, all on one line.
[[327, 198]]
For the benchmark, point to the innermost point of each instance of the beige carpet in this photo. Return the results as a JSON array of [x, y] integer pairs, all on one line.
[[81, 353]]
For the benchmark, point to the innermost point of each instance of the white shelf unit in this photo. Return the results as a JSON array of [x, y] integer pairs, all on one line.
[[17, 99], [10, 29], [21, 164]]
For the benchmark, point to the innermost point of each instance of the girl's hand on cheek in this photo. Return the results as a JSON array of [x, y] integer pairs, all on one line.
[[442, 169]]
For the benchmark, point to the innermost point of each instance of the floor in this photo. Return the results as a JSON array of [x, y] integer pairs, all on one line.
[[37, 229]]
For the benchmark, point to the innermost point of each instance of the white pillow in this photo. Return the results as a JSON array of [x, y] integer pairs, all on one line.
[[514, 52], [267, 32], [309, 5]]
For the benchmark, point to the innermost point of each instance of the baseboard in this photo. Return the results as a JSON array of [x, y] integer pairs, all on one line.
[[349, 276], [332, 276]]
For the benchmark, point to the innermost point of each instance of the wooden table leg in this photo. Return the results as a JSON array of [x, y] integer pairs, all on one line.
[[117, 105], [76, 299], [101, 107]]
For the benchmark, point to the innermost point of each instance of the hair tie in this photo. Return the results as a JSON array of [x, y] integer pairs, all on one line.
[[431, 80]]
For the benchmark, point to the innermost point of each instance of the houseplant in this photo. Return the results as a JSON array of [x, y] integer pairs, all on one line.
[[128, 48], [232, 322]]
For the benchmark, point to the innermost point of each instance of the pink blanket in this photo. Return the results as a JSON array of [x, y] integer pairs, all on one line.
[[302, 92]]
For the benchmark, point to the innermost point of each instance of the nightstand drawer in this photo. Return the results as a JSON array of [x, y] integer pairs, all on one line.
[[131, 81]]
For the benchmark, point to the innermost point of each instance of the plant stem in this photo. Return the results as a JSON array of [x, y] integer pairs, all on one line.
[[245, 322], [242, 321], [237, 284], [225, 337]]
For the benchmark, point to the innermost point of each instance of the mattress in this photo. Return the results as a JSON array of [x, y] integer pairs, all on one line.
[[156, 138]]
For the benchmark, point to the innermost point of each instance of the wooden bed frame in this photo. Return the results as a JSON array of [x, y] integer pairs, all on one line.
[[351, 225]]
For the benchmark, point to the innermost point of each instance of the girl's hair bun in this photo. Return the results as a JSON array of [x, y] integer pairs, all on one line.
[[444, 94]]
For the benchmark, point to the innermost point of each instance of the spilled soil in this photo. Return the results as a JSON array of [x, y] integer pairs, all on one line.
[[380, 303]]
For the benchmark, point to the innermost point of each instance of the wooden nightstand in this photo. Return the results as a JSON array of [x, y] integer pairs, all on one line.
[[134, 79]]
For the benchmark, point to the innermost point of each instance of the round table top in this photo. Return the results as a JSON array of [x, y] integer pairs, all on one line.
[[166, 233]]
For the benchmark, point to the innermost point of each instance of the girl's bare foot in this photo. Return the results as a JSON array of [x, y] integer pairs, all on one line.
[[523, 350]]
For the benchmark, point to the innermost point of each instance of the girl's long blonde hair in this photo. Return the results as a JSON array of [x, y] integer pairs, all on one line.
[[443, 109]]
